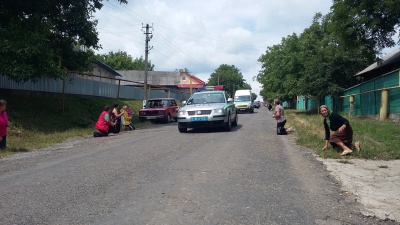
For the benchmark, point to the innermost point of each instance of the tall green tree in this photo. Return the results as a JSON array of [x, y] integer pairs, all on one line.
[[314, 64], [230, 76], [123, 61], [281, 69], [371, 23], [40, 38]]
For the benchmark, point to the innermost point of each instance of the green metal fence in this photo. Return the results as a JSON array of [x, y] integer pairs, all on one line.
[[367, 97]]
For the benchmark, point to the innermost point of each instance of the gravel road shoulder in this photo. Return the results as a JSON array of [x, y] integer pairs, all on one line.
[[375, 184]]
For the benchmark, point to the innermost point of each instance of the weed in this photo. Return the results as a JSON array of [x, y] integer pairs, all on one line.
[[345, 162], [383, 166]]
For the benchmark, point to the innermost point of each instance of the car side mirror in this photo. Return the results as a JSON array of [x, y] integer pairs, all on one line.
[[184, 103], [230, 99]]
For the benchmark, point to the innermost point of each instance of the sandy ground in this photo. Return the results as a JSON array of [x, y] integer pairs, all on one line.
[[375, 184]]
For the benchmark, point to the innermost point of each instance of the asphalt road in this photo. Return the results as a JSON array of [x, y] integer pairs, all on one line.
[[157, 175]]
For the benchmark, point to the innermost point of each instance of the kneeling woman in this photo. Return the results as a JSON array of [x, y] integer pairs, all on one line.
[[103, 123], [343, 136]]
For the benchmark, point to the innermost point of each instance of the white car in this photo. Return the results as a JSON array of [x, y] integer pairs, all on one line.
[[207, 109]]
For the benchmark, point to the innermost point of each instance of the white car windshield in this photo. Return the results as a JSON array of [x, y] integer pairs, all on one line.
[[207, 98], [244, 98]]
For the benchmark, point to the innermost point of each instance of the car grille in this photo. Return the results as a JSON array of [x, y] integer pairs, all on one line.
[[150, 113], [199, 112]]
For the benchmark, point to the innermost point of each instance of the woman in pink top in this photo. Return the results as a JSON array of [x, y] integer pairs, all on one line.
[[4, 123]]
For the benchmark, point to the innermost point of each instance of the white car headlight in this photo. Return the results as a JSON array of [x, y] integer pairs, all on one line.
[[220, 110], [182, 113]]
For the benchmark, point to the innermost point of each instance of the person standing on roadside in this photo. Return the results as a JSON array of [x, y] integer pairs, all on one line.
[[116, 118], [4, 123], [343, 136], [103, 123], [279, 116]]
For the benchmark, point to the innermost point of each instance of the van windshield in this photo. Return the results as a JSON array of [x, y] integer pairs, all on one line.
[[244, 98]]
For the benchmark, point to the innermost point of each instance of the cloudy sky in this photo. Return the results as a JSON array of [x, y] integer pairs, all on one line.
[[200, 35]]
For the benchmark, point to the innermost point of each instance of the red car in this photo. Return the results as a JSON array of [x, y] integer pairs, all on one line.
[[161, 109]]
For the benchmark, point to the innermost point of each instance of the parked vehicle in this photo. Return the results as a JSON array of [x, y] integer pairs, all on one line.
[[207, 109], [161, 109], [243, 101], [256, 104]]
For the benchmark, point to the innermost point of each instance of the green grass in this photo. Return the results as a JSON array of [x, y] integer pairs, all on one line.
[[39, 121], [379, 139]]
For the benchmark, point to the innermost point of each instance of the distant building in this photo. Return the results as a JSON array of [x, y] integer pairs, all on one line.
[[188, 81], [159, 79], [101, 72], [390, 62]]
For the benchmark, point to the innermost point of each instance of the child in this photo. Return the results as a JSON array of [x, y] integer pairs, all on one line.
[[127, 118], [129, 111], [4, 123]]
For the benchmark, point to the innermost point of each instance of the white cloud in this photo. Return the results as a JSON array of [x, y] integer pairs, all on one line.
[[201, 34]]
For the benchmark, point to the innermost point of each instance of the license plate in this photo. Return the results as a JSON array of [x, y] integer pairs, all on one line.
[[204, 118], [151, 117]]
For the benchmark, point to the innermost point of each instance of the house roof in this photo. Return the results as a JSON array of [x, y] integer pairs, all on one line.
[[388, 59], [161, 78], [107, 68], [195, 78], [198, 80]]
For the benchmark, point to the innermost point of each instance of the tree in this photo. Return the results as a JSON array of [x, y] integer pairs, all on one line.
[[230, 76], [40, 38], [253, 96], [185, 70], [367, 22], [281, 69], [122, 61], [314, 64]]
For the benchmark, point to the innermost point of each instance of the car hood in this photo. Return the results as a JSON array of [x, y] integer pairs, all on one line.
[[205, 106]]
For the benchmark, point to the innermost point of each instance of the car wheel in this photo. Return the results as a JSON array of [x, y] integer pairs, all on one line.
[[182, 130], [235, 122], [228, 125], [167, 118]]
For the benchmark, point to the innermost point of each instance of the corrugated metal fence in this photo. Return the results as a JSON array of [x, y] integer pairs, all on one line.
[[367, 97], [81, 86]]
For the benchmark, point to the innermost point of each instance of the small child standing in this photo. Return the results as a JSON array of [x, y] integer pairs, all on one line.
[[4, 123]]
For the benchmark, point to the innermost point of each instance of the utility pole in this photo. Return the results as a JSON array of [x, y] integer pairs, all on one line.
[[146, 58]]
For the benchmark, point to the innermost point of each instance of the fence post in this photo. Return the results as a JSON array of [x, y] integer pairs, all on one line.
[[119, 85], [384, 105], [149, 93], [351, 110]]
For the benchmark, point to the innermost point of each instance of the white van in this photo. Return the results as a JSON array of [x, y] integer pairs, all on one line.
[[243, 101]]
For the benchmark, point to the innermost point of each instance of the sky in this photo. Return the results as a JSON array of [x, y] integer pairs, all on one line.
[[201, 35]]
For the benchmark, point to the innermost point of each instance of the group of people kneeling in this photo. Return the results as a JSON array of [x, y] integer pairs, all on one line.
[[111, 121], [342, 136]]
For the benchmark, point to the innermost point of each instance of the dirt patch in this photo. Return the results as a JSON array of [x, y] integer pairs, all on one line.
[[375, 184]]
